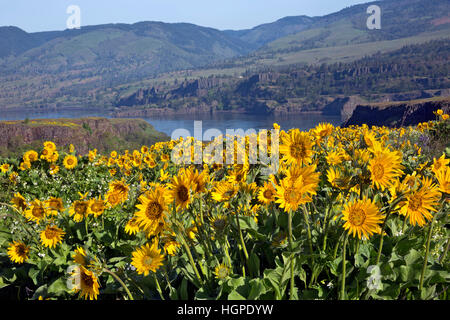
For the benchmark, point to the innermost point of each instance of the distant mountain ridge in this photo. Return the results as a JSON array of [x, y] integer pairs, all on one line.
[[88, 66]]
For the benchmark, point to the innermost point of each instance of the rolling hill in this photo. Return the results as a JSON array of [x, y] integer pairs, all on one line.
[[93, 66]]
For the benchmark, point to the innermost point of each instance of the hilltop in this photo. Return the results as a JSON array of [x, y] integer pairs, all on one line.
[[97, 65]]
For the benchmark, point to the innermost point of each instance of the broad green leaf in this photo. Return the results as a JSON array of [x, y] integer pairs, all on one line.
[[234, 295]]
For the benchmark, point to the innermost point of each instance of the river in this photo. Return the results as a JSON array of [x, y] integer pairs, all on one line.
[[169, 123]]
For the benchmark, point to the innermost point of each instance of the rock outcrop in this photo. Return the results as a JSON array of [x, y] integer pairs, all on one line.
[[398, 114], [85, 134]]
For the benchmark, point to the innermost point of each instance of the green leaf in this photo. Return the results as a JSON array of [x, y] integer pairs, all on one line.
[[278, 278], [234, 295], [2, 284], [257, 289], [428, 293], [253, 262], [247, 222], [412, 257], [33, 274], [58, 287], [183, 289]]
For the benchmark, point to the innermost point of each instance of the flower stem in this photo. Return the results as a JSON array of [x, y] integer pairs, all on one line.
[[305, 215], [291, 291], [115, 276], [158, 287], [344, 249], [325, 222], [191, 260], [427, 249], [225, 249], [241, 237], [382, 236]]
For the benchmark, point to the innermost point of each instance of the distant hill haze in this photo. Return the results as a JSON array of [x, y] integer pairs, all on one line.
[[95, 66]]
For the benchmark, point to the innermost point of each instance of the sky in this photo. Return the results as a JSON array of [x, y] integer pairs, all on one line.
[[46, 15]]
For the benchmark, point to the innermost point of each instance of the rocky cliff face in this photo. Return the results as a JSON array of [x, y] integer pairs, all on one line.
[[85, 134], [398, 114]]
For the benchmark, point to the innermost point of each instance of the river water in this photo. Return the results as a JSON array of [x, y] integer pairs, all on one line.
[[169, 123]]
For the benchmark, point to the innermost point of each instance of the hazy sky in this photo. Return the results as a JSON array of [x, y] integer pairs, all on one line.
[[44, 15]]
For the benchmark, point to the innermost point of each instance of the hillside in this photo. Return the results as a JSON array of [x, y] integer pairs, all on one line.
[[61, 66], [415, 71], [85, 134], [95, 66]]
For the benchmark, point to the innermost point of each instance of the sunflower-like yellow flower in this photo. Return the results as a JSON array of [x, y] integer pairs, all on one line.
[[443, 177], [96, 207], [147, 258], [170, 244], [4, 167], [18, 252], [420, 204], [198, 179], [78, 210], [80, 257], [222, 271], [362, 217], [267, 193], [54, 169], [296, 147], [297, 187], [219, 222], [120, 189], [19, 202], [51, 236], [49, 145], [152, 210], [224, 191], [385, 167], [132, 226], [70, 162], [323, 130], [30, 156], [338, 179], [439, 163], [36, 211], [237, 175], [54, 205], [335, 158], [180, 191], [92, 155], [85, 282]]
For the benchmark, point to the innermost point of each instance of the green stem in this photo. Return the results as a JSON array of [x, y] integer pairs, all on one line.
[[86, 224], [442, 258], [344, 249], [225, 249], [291, 292], [191, 260], [357, 247], [115, 276], [337, 246], [427, 249], [403, 225], [305, 215], [241, 237], [382, 236], [158, 287], [325, 222]]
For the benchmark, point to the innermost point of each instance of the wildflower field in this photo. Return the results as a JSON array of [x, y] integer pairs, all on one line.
[[351, 213]]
